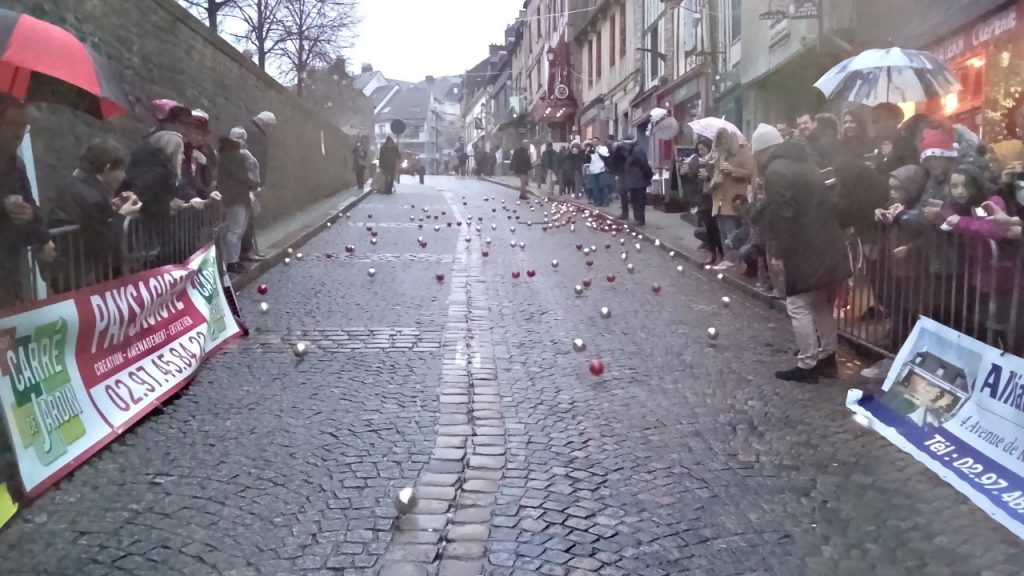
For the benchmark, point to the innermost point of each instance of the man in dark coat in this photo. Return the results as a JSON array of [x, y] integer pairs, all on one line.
[[893, 149], [389, 160], [802, 232], [521, 166], [636, 178], [548, 163], [360, 158], [21, 222]]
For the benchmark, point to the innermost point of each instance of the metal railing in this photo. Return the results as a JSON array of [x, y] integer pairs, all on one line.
[[969, 283], [85, 258]]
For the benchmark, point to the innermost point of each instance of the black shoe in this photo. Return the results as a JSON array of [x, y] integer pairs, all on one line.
[[623, 216], [237, 268], [253, 257], [798, 374], [827, 367]]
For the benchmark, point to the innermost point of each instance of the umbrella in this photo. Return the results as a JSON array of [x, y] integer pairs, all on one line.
[[41, 62], [709, 127], [888, 75]]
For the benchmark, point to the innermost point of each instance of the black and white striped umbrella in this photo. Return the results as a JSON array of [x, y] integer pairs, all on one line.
[[888, 75]]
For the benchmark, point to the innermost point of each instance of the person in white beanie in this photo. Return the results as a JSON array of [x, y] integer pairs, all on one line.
[[258, 144], [802, 231]]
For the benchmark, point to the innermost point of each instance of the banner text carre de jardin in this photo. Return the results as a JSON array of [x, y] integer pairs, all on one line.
[[78, 369]]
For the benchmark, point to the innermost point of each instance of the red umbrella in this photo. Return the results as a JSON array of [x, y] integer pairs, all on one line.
[[41, 62]]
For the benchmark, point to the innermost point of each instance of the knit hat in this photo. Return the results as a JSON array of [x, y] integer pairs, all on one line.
[[170, 111], [936, 143], [266, 119], [912, 178], [765, 137], [238, 134]]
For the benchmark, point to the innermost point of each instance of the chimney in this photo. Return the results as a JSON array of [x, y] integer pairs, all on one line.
[[429, 80], [367, 68]]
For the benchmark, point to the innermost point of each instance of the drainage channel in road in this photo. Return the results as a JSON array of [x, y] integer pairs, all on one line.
[[446, 533]]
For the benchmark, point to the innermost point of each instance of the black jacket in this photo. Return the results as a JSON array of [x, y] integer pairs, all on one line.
[[549, 159], [85, 202], [14, 182], [520, 163], [637, 172], [389, 157], [152, 178], [234, 180], [800, 222]]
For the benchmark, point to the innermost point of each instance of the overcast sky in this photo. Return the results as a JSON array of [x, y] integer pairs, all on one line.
[[410, 39]]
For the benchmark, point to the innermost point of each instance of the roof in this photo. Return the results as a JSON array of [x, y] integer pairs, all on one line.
[[378, 95], [441, 88], [363, 79], [411, 103]]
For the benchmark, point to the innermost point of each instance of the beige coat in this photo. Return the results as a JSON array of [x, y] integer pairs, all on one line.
[[726, 185]]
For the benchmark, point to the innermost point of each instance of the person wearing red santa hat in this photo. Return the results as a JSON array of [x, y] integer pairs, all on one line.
[[938, 155]]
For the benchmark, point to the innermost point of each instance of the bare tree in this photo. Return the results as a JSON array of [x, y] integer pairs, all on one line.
[[264, 27], [315, 33], [209, 10]]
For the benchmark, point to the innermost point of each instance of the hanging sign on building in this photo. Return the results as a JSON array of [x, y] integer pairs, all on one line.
[[792, 9], [969, 39]]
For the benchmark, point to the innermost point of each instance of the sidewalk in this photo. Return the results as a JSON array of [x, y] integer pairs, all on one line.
[[296, 229]]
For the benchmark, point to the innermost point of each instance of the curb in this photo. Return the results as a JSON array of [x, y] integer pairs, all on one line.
[[747, 289], [242, 280]]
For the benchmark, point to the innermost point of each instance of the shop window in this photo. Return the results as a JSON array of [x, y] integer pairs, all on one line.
[[598, 56], [622, 31], [590, 62], [611, 42]]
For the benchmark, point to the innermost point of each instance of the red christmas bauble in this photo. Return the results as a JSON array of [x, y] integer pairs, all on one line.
[[515, 275], [485, 253], [610, 277], [531, 273], [656, 288], [262, 289], [439, 277], [587, 282], [596, 367], [350, 249], [589, 263]]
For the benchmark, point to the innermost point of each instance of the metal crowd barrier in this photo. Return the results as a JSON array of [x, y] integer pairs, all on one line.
[[968, 283], [141, 244]]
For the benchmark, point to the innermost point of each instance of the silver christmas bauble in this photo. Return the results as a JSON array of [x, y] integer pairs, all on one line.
[[712, 333], [586, 251], [629, 268], [721, 276], [264, 307], [726, 301], [289, 251], [298, 255], [300, 349], [437, 228], [487, 240], [522, 245], [672, 254], [605, 312], [287, 261], [623, 255], [578, 289], [679, 268], [622, 241], [579, 345], [371, 272], [657, 242], [554, 263]]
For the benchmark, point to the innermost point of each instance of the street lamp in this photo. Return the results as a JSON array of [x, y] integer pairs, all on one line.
[[551, 54]]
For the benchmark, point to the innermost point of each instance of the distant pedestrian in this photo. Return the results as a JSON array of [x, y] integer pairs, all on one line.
[[803, 233], [521, 166], [548, 163], [360, 157], [601, 181], [572, 171], [390, 159], [461, 157]]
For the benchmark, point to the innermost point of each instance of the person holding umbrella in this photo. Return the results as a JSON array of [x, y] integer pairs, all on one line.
[[21, 222]]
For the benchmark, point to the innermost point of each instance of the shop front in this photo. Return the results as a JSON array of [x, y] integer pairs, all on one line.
[[557, 109], [987, 56]]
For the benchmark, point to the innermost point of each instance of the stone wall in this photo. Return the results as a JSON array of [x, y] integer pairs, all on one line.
[[158, 50]]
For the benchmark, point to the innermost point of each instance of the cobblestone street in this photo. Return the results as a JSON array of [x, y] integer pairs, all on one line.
[[684, 457]]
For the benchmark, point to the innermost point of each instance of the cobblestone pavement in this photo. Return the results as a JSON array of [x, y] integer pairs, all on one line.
[[684, 457]]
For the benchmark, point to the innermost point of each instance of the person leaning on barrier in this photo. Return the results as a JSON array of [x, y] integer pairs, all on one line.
[[236, 181], [90, 200], [21, 221]]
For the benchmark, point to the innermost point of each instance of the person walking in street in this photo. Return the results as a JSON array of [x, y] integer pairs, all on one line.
[[802, 232], [521, 167], [258, 143], [573, 169], [548, 163], [360, 157], [236, 181], [390, 159], [461, 157]]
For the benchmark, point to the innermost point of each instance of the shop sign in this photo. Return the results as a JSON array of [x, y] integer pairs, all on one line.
[[968, 40], [792, 9]]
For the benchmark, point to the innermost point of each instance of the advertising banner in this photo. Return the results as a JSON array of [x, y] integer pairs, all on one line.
[[78, 369], [957, 406]]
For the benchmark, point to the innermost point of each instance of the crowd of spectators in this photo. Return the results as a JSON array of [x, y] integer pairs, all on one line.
[[179, 170]]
